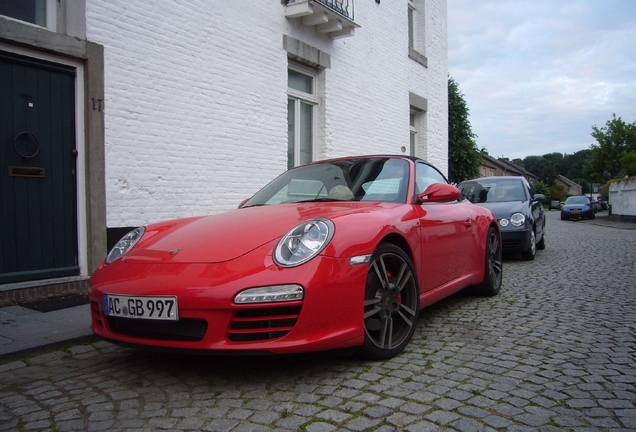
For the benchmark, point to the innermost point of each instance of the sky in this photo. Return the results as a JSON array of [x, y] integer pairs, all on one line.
[[537, 75]]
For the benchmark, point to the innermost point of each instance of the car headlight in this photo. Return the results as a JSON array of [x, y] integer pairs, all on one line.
[[303, 242], [125, 244], [517, 219]]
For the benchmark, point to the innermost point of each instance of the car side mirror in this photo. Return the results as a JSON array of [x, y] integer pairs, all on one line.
[[539, 197], [439, 192]]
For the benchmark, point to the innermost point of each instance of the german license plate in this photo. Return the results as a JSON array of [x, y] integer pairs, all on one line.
[[155, 308]]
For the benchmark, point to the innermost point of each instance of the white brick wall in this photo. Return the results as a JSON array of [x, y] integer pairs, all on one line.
[[196, 97], [622, 197]]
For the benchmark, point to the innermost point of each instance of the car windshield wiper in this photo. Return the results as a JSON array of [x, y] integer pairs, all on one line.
[[320, 200], [254, 205]]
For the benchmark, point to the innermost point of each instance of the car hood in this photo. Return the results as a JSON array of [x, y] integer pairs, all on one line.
[[506, 209], [226, 236]]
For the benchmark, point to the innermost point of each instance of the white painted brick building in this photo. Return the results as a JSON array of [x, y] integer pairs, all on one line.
[[196, 97], [182, 106]]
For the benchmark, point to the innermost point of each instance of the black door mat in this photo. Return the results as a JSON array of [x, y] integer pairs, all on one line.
[[56, 303]]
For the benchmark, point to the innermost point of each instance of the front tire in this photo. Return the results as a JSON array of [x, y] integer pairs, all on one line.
[[391, 303], [493, 272], [528, 255], [541, 244]]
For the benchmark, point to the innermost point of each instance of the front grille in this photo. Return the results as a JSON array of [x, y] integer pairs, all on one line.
[[260, 324], [510, 244], [186, 329]]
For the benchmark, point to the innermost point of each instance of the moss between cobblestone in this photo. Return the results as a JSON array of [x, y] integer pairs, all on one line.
[[20, 426]]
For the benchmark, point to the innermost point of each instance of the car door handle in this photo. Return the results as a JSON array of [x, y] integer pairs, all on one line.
[[468, 223]]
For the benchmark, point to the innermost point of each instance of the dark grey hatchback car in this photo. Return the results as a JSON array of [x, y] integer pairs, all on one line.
[[517, 208]]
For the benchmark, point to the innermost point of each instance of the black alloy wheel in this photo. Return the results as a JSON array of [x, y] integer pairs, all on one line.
[[391, 303], [493, 272]]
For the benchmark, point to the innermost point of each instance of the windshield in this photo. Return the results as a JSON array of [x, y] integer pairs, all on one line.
[[493, 190], [365, 179], [577, 200]]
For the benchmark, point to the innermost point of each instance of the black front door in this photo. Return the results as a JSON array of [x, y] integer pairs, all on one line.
[[38, 194]]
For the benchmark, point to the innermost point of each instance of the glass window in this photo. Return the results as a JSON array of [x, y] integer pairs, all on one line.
[[301, 107], [426, 175], [291, 132], [411, 25], [366, 179], [416, 23], [493, 190], [413, 134], [300, 81], [305, 145], [32, 11], [412, 144]]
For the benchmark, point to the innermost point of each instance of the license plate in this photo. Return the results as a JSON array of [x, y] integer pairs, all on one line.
[[155, 308], [576, 212]]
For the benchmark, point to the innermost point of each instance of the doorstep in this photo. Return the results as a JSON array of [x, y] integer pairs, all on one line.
[[22, 292]]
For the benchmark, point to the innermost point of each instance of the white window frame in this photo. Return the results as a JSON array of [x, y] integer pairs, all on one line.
[[311, 99]]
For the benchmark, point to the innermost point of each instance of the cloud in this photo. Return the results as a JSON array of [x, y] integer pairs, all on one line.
[[538, 75]]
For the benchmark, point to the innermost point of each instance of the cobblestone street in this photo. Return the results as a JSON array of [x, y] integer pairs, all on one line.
[[554, 351]]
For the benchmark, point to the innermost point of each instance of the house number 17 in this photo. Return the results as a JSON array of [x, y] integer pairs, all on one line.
[[97, 104]]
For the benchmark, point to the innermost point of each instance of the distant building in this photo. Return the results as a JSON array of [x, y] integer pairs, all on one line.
[[491, 167], [596, 191], [570, 187]]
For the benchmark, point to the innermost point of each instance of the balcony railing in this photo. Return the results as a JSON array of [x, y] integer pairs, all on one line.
[[331, 17], [343, 7]]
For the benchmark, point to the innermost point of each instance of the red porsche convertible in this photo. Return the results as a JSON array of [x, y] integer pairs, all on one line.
[[335, 254]]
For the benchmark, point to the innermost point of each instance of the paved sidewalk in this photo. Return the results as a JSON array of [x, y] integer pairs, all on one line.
[[602, 219], [23, 329]]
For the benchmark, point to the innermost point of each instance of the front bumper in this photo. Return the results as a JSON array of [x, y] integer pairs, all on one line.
[[330, 316], [576, 213], [516, 241]]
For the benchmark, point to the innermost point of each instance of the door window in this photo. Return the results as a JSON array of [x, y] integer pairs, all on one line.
[[426, 175]]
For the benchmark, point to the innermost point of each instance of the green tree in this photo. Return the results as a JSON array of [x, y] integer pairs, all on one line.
[[463, 156], [573, 164], [556, 192], [542, 188], [615, 140], [628, 164], [545, 167]]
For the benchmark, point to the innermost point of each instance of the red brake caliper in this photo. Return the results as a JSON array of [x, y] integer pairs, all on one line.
[[391, 278]]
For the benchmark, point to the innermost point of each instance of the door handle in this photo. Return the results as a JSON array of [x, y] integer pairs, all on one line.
[[468, 223]]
